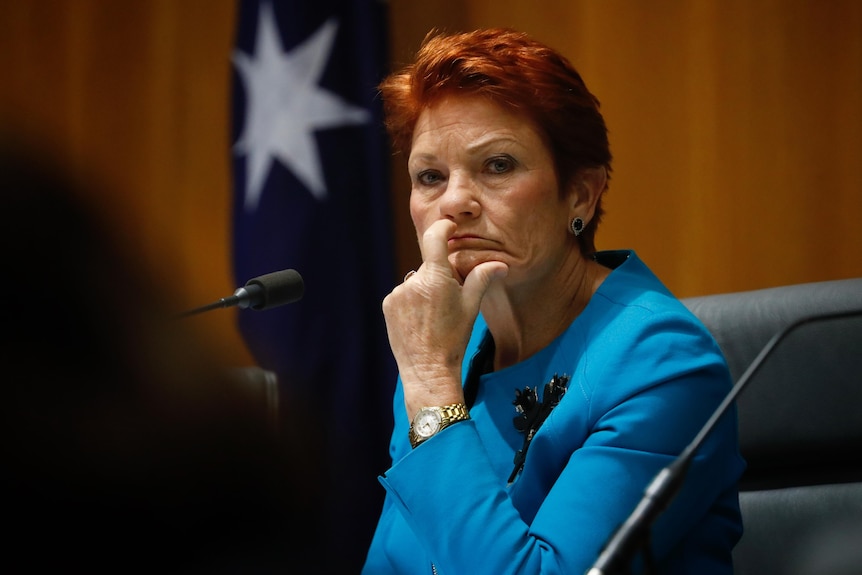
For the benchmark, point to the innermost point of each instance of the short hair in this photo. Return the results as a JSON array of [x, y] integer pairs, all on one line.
[[514, 71]]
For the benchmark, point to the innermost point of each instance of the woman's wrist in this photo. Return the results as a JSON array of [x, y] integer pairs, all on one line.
[[417, 397]]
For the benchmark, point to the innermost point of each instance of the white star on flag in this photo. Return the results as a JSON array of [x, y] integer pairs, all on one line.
[[285, 106]]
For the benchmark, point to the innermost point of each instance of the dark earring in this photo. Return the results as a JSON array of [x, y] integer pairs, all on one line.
[[577, 226]]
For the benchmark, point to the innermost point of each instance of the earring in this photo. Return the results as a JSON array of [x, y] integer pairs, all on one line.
[[577, 226]]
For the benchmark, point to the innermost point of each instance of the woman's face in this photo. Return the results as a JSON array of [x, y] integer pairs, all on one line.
[[490, 171]]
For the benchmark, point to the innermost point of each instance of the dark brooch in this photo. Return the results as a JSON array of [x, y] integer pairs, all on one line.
[[532, 414]]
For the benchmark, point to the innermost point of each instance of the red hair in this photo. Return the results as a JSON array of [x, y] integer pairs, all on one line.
[[516, 72]]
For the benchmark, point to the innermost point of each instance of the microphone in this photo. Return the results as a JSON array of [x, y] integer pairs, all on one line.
[[632, 534], [260, 293]]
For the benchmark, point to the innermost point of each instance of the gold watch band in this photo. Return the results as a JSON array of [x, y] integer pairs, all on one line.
[[431, 420]]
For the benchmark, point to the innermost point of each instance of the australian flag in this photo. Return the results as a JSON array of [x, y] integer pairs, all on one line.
[[310, 174]]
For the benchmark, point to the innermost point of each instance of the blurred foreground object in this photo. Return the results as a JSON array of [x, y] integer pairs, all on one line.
[[129, 445]]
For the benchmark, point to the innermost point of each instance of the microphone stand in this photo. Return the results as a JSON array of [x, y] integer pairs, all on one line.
[[633, 534]]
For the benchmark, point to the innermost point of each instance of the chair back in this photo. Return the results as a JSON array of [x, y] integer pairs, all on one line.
[[800, 424]]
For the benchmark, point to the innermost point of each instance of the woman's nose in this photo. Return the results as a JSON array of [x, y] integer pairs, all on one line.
[[460, 199]]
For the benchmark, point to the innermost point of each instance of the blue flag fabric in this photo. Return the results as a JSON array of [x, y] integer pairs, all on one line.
[[310, 174]]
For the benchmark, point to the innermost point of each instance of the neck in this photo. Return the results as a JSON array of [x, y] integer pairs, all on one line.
[[526, 318]]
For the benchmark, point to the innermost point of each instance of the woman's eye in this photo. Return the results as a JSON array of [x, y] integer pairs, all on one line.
[[428, 178], [499, 165]]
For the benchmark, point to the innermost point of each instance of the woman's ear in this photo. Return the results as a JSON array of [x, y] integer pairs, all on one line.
[[587, 188]]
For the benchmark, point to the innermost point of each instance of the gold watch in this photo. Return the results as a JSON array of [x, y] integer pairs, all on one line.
[[430, 420]]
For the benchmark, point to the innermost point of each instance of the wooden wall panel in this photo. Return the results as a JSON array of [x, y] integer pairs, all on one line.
[[136, 94]]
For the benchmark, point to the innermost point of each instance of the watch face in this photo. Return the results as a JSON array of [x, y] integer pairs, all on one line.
[[427, 422]]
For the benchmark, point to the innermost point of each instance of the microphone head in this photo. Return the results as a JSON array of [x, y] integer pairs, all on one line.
[[277, 288]]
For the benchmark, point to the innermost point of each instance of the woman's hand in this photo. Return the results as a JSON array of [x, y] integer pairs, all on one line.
[[429, 318]]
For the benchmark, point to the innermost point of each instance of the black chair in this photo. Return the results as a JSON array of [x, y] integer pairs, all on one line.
[[800, 423]]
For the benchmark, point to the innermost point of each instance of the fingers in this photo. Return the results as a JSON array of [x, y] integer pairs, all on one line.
[[435, 254], [478, 280], [435, 244]]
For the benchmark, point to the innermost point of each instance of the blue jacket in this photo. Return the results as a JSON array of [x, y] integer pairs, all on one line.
[[645, 375]]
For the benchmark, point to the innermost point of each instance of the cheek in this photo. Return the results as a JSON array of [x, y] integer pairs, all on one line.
[[417, 215], [540, 234]]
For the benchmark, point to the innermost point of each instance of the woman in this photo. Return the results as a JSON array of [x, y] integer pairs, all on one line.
[[542, 385]]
